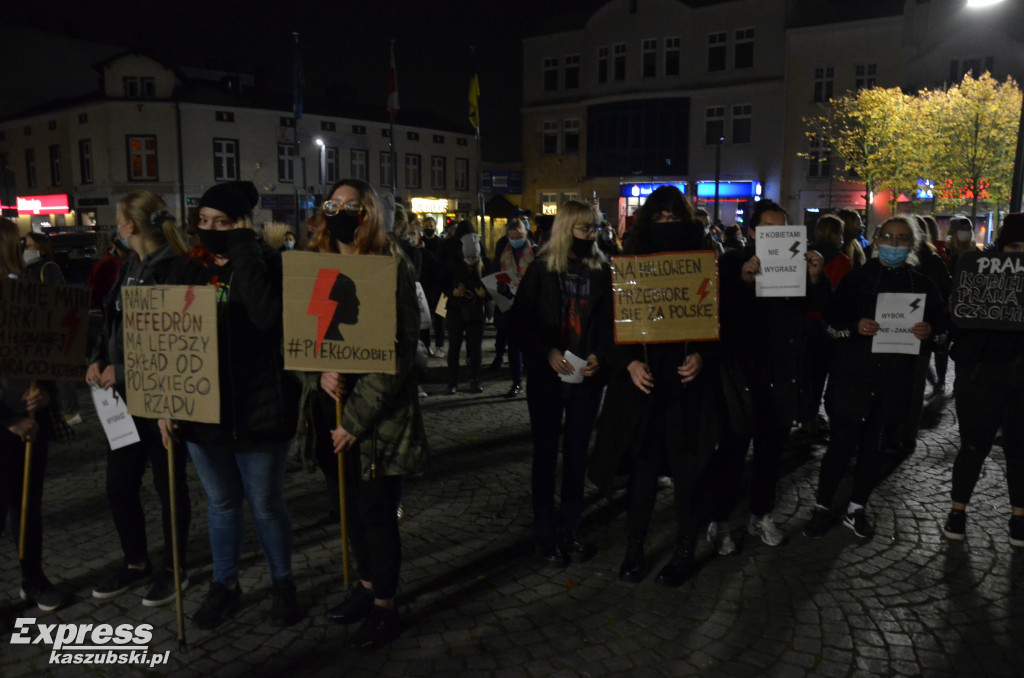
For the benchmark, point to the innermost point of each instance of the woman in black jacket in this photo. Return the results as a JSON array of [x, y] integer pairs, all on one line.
[[244, 455], [659, 415], [465, 311], [563, 305], [149, 231], [868, 393], [989, 394]]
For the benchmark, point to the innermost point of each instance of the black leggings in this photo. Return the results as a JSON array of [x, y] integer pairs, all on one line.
[[371, 507], [866, 439]]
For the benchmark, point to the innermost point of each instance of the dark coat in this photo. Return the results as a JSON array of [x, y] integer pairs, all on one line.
[[471, 308]]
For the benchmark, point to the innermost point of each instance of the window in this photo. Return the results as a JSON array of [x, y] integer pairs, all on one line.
[[224, 116], [326, 126], [638, 137], [412, 171], [131, 88], [55, 174], [602, 65], [649, 57], [743, 51], [437, 173], [358, 161], [672, 52], [571, 74], [566, 197], [716, 51], [385, 132], [818, 160], [549, 142], [30, 167], [619, 51], [461, 174], [358, 129], [225, 159], [285, 163], [864, 76], [287, 122], [51, 125], [385, 168], [959, 68], [823, 82], [714, 125], [438, 138], [330, 164], [461, 141], [741, 121], [147, 88], [83, 118], [412, 136], [142, 165], [549, 203], [550, 74], [571, 136], [85, 160]]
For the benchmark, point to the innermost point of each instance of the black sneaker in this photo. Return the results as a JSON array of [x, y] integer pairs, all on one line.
[[514, 391], [161, 591], [41, 592], [858, 522], [1016, 532], [221, 602], [355, 607], [554, 555], [452, 389], [124, 579], [284, 608], [956, 525], [821, 520], [577, 550], [475, 387], [380, 627]]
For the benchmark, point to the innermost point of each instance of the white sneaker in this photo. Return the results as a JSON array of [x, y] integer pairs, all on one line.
[[664, 482], [765, 528], [438, 353], [727, 545], [423, 394]]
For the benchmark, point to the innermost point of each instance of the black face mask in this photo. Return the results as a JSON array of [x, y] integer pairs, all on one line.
[[582, 247], [429, 234], [342, 227], [214, 241], [675, 236]]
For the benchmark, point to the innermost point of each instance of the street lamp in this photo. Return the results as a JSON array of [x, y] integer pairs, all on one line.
[[323, 167]]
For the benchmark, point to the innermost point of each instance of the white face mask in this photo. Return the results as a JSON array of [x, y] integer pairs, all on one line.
[[30, 256], [964, 236]]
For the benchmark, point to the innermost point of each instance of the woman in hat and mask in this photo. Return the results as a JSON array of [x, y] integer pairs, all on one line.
[[244, 455]]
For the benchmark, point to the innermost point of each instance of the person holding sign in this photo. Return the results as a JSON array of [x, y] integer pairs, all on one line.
[[989, 395], [243, 457], [763, 363], [562, 320], [869, 391], [25, 417], [466, 299], [381, 432], [514, 258], [660, 411], [144, 223]]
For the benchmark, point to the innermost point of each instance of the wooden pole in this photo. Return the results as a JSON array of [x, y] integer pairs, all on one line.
[[175, 550], [341, 501], [25, 482]]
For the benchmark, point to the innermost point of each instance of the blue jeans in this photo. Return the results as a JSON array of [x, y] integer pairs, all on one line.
[[254, 471]]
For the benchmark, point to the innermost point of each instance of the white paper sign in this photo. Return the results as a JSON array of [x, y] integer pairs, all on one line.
[[113, 413], [895, 315], [502, 287], [578, 364], [781, 250]]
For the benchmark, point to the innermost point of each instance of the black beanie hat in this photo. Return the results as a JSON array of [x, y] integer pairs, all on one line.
[[234, 198], [1012, 230]]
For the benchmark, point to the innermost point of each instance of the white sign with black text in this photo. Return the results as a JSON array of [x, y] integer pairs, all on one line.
[[781, 250], [113, 413], [896, 314]]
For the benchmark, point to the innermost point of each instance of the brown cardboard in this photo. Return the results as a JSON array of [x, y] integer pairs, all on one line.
[[668, 297], [170, 352], [43, 330], [339, 312]]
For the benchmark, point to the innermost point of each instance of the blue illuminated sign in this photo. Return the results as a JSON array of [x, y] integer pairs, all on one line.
[[644, 190], [729, 189]]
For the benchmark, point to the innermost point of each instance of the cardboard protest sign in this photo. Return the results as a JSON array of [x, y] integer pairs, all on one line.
[[170, 352], [502, 286], [781, 250], [665, 297], [114, 417], [340, 313], [988, 291], [43, 330], [895, 314]]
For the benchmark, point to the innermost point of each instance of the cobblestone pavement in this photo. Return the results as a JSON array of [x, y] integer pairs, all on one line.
[[476, 602]]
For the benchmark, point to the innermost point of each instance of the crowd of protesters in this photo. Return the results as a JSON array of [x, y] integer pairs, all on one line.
[[682, 414]]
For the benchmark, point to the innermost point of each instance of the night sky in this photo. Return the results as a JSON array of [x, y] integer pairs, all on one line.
[[344, 46]]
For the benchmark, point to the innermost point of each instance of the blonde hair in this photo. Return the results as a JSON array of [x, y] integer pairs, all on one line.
[[274, 233], [139, 206], [555, 252]]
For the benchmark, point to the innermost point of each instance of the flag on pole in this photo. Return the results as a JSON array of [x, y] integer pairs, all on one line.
[[474, 95], [392, 86]]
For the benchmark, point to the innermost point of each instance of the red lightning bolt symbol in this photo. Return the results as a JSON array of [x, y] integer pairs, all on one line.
[[321, 305], [70, 321], [703, 289], [190, 296]]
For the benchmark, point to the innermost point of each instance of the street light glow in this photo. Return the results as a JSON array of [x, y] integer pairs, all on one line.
[[974, 4], [319, 142]]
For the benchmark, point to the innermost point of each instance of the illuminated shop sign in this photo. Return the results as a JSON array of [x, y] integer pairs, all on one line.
[[43, 204], [644, 190], [429, 205], [729, 189]]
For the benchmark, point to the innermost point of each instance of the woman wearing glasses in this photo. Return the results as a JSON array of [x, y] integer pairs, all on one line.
[[659, 415], [868, 393], [381, 432], [562, 316]]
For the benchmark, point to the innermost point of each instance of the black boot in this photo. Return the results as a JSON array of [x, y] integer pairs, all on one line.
[[634, 565], [681, 568]]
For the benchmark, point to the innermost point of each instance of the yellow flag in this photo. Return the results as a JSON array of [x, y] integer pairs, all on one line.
[[474, 94]]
